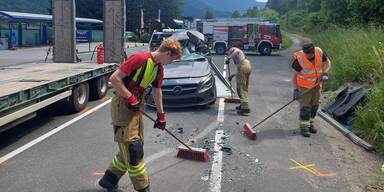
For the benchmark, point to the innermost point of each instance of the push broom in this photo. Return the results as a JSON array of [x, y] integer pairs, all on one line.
[[250, 131], [185, 151]]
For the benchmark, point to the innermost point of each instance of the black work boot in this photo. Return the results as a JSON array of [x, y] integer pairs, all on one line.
[[305, 132], [312, 129], [144, 190], [109, 181], [243, 111]]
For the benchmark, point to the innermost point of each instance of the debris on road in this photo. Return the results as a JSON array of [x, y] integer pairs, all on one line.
[[204, 178], [226, 149], [180, 130], [184, 151]]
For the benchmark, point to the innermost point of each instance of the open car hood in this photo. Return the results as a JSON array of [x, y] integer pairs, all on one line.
[[187, 69]]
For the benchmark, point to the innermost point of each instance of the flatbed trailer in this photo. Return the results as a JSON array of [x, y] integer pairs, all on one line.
[[25, 89]]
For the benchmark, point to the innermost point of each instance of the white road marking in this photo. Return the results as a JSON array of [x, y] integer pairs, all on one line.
[[220, 114], [215, 179], [215, 183], [50, 133]]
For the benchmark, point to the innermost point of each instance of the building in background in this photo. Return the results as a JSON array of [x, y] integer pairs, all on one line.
[[26, 29]]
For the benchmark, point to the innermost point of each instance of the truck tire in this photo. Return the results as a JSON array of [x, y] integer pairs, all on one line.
[[220, 49], [98, 87], [79, 98], [265, 49]]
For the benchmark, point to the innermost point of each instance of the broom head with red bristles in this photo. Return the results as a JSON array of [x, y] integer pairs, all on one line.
[[197, 154], [232, 100], [249, 131]]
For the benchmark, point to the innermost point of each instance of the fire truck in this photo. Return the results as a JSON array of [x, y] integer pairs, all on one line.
[[245, 33]]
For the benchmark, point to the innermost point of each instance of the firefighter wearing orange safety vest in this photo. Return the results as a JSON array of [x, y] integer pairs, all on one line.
[[139, 72], [310, 69]]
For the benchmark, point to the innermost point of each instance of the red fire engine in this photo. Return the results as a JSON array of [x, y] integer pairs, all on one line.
[[246, 34]]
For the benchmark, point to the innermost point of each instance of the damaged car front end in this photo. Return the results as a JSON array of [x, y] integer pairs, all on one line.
[[189, 81]]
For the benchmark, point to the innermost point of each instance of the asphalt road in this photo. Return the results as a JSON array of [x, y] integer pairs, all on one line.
[[74, 158]]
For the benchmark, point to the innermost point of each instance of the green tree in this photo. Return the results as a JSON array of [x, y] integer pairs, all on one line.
[[366, 11], [252, 12], [208, 14], [335, 11], [89, 9], [269, 14], [236, 14], [169, 9]]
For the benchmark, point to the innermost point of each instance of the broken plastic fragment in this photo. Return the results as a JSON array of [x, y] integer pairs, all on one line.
[[204, 178], [180, 130]]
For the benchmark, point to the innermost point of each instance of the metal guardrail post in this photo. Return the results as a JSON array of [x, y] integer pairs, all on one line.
[[355, 139]]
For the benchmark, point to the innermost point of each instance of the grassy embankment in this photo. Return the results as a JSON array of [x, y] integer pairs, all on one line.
[[357, 55], [287, 42]]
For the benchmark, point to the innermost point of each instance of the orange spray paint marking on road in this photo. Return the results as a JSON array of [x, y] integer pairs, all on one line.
[[310, 168], [97, 173], [84, 110], [105, 98], [319, 174]]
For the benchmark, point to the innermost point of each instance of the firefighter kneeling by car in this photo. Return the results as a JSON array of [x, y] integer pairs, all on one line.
[[134, 76]]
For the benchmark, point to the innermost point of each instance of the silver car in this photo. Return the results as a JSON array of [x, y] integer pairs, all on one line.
[[189, 81]]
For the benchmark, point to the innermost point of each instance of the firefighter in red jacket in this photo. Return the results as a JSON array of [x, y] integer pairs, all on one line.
[[311, 66], [139, 72]]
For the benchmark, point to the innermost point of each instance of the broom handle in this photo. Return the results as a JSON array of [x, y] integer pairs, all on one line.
[[170, 133], [230, 82], [305, 92]]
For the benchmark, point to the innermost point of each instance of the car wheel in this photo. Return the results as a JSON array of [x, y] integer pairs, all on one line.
[[79, 98], [213, 102], [98, 87], [215, 95], [265, 49]]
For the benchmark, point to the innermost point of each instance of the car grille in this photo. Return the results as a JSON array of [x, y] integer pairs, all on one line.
[[187, 101], [183, 89]]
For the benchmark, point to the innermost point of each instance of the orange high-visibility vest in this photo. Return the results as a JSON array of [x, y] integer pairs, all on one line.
[[311, 73]]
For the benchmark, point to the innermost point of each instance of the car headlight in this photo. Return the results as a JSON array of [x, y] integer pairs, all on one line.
[[206, 83]]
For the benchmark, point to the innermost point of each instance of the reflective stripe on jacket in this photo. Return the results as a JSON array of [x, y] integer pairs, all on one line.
[[142, 79]]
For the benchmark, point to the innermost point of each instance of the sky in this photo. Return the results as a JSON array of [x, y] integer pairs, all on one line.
[[261, 0]]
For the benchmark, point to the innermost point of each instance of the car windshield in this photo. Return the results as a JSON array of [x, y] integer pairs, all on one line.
[[191, 56]]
